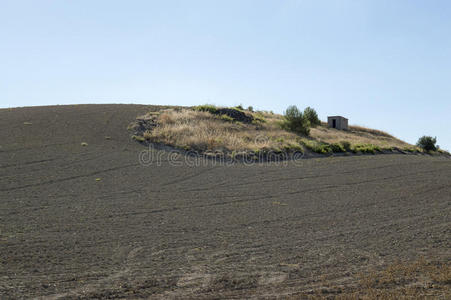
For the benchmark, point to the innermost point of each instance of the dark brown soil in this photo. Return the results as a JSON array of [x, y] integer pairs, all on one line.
[[92, 222]]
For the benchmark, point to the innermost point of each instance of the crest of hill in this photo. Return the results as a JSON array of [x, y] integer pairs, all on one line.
[[231, 131]]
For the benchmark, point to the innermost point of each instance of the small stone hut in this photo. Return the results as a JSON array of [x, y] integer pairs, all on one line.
[[337, 122]]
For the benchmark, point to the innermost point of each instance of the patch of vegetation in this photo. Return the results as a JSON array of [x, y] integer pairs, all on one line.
[[295, 121], [420, 279], [317, 147], [293, 147], [389, 148], [207, 107], [346, 145], [337, 148], [323, 149], [427, 143], [202, 131], [234, 131], [259, 118], [312, 116], [226, 118], [365, 148], [403, 280]]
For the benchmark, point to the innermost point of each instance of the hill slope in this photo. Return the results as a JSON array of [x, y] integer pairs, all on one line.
[[92, 221]]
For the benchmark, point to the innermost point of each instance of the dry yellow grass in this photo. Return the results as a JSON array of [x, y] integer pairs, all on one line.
[[206, 132], [407, 280], [420, 279], [358, 135]]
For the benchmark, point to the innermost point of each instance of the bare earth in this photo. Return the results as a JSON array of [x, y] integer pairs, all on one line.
[[90, 221]]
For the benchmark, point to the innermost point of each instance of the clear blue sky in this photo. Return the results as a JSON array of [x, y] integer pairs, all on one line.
[[382, 64]]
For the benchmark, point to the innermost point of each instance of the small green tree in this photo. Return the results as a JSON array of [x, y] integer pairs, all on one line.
[[295, 121], [311, 115], [427, 143]]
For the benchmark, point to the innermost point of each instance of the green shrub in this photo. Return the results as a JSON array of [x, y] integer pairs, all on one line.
[[294, 121], [337, 148], [294, 148], [317, 147], [427, 143], [366, 148], [250, 108], [323, 149], [357, 148], [206, 107], [311, 115], [346, 145]]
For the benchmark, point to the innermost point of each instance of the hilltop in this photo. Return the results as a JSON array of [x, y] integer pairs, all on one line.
[[235, 132]]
